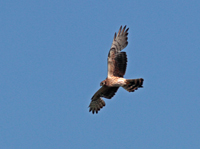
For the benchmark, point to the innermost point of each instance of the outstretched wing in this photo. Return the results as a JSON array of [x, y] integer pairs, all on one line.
[[117, 60], [120, 39], [97, 102]]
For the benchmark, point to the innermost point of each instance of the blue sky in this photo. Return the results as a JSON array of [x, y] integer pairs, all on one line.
[[53, 56]]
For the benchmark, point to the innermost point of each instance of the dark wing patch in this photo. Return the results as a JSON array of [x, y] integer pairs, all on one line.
[[110, 92], [120, 64], [106, 92]]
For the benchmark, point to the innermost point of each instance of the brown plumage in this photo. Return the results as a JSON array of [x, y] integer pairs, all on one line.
[[117, 62]]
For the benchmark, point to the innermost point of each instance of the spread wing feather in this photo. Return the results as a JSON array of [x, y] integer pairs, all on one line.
[[97, 102], [116, 60], [120, 39]]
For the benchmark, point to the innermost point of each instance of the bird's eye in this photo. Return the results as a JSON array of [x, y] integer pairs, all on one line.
[[102, 83]]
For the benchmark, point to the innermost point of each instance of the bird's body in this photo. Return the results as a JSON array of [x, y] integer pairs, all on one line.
[[114, 81], [117, 62]]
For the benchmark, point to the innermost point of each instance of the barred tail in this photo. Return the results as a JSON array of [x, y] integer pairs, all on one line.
[[133, 84]]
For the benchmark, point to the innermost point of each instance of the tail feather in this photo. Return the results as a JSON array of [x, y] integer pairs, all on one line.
[[133, 84]]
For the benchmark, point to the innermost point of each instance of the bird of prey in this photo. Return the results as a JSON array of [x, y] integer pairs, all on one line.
[[117, 62]]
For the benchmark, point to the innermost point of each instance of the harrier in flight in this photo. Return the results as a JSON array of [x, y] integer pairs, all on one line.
[[117, 62]]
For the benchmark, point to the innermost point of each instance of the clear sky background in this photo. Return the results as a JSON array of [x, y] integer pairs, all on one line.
[[53, 56]]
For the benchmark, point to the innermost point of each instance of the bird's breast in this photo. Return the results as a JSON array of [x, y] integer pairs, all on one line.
[[115, 81]]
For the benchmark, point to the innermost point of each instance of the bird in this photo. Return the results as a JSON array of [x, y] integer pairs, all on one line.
[[117, 63]]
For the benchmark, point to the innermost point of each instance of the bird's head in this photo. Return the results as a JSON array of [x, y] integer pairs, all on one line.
[[103, 83]]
